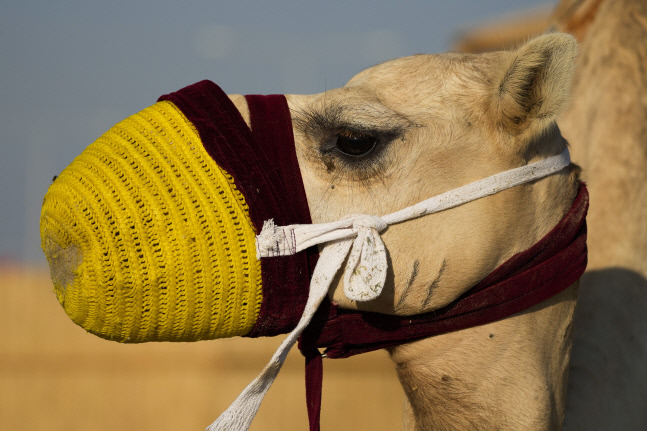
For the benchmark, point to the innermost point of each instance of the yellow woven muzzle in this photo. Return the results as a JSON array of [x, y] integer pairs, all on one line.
[[148, 239]]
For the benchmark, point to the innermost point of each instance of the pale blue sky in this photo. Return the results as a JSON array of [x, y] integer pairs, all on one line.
[[69, 70]]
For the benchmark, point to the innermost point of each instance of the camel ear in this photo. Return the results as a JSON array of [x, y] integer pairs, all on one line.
[[534, 84]]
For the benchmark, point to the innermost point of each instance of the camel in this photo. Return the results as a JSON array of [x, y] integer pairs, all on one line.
[[415, 127], [605, 125]]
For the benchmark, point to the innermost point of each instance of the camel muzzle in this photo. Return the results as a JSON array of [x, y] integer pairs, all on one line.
[[148, 239]]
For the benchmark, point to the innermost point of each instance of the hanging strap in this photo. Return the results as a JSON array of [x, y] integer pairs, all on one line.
[[314, 382]]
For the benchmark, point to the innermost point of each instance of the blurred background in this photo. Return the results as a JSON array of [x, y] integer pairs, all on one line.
[[69, 70]]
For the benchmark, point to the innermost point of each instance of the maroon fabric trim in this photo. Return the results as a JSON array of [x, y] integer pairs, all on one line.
[[260, 175], [271, 124]]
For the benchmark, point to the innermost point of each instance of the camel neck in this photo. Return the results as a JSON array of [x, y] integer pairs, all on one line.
[[509, 374]]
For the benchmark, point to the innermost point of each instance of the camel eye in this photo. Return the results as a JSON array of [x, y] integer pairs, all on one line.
[[355, 145]]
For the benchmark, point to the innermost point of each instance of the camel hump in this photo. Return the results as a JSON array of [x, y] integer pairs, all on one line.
[[534, 83]]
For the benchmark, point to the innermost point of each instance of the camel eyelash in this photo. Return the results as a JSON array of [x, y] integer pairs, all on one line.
[[335, 119]]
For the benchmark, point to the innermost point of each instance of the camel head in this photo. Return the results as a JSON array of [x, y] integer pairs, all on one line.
[[414, 127], [149, 239]]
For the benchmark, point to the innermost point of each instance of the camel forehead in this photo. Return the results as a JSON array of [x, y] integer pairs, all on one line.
[[428, 82], [426, 70], [406, 90]]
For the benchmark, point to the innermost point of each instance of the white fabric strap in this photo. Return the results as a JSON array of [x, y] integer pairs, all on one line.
[[241, 412], [358, 238]]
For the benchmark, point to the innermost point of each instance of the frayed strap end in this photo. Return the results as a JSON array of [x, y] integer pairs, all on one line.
[[275, 241]]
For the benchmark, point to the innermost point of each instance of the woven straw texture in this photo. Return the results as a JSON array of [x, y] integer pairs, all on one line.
[[148, 239]]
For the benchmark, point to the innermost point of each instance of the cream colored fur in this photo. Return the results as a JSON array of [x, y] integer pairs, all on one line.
[[446, 120], [606, 125]]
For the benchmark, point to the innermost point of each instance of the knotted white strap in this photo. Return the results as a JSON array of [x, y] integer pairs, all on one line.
[[365, 272]]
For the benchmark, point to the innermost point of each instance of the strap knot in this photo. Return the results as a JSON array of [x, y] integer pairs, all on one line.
[[368, 221]]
